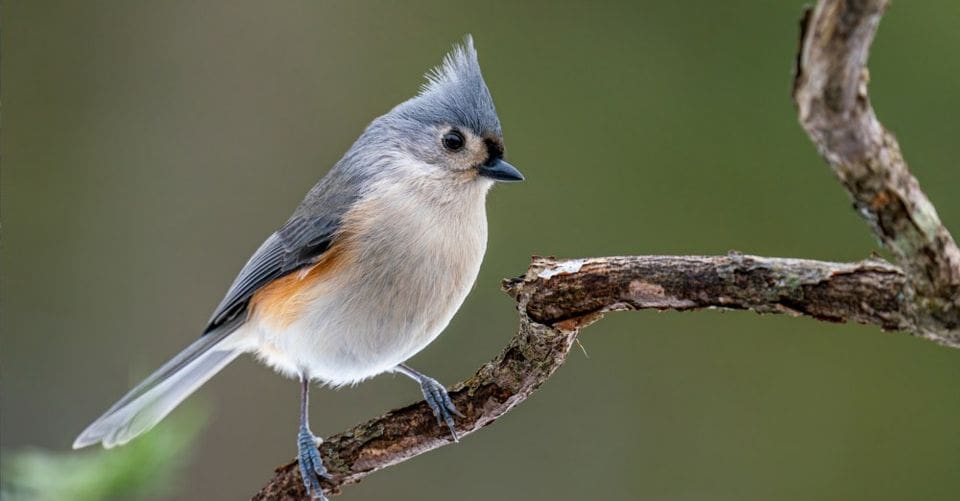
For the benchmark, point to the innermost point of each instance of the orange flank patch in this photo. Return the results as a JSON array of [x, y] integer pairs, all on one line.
[[282, 301]]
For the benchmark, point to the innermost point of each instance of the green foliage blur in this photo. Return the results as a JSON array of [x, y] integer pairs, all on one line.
[[149, 147], [145, 469]]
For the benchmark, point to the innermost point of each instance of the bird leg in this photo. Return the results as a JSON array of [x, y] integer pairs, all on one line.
[[436, 396], [311, 464]]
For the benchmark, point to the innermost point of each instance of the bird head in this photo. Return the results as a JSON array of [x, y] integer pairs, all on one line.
[[450, 129]]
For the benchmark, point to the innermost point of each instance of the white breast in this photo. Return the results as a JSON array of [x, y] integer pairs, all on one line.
[[414, 253]]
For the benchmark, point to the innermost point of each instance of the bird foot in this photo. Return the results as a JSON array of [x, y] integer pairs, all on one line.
[[439, 401], [311, 464]]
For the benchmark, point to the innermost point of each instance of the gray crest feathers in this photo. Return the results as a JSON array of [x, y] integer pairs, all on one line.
[[456, 94], [460, 66]]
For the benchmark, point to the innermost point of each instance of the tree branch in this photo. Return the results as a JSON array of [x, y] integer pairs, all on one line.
[[558, 298], [865, 292], [830, 91]]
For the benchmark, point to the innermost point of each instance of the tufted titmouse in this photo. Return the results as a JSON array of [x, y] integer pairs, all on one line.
[[370, 268]]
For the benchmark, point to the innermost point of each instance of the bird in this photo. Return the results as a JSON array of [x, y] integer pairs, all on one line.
[[368, 270]]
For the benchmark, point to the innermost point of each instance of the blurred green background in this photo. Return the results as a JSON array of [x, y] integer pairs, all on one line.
[[149, 147]]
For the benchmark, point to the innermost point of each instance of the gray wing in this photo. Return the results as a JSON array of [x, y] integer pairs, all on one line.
[[298, 243]]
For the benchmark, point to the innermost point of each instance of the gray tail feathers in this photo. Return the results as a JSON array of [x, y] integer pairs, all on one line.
[[154, 398]]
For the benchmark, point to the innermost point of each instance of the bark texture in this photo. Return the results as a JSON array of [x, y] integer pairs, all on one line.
[[557, 298], [867, 292], [830, 91]]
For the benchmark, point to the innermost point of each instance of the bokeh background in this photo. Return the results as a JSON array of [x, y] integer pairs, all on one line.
[[148, 148]]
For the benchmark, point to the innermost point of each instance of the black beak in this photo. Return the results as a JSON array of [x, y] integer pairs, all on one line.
[[500, 170]]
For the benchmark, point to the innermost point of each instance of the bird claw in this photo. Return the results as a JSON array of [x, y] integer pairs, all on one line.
[[311, 464], [439, 401]]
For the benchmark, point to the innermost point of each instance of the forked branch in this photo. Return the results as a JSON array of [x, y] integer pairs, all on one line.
[[557, 298], [830, 91]]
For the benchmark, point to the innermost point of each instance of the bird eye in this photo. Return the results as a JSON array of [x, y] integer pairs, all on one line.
[[453, 140]]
